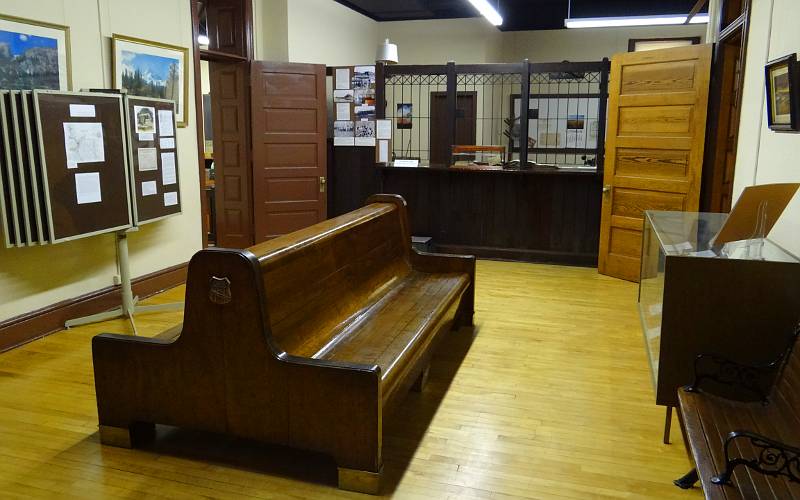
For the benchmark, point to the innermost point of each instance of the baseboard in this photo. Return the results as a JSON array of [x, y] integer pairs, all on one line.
[[36, 324], [519, 254]]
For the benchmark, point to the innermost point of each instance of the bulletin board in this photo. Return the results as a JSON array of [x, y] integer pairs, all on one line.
[[83, 162], [153, 158]]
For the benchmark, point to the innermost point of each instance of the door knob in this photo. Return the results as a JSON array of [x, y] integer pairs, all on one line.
[[322, 182], [606, 189]]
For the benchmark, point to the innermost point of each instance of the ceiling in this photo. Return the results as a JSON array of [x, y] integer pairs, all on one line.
[[517, 14]]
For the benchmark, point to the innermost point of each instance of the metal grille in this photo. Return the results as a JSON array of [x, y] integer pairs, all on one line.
[[412, 133], [435, 107]]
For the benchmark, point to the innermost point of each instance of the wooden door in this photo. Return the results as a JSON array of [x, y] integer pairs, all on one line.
[[654, 146], [230, 105], [465, 124], [289, 123]]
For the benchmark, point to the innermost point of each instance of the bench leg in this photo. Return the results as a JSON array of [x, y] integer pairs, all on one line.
[[687, 480], [360, 480], [419, 384], [667, 424], [127, 437]]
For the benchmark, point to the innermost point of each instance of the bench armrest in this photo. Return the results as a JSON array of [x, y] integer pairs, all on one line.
[[764, 455]]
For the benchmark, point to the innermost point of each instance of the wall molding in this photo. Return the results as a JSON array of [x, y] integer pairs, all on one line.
[[42, 322]]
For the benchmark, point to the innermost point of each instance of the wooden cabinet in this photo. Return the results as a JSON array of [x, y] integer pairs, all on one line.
[[742, 305]]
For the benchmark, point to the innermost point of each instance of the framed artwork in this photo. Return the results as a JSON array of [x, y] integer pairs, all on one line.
[[152, 69], [34, 55], [783, 97], [404, 114]]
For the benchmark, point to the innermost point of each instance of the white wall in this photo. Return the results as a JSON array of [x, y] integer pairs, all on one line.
[[764, 156], [36, 277], [271, 30], [465, 41], [590, 44]]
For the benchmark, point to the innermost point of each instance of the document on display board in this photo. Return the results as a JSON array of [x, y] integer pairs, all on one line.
[[342, 110], [165, 127], [170, 199], [168, 173], [87, 188], [384, 129], [167, 143], [149, 188], [342, 78], [81, 110], [383, 151], [83, 143], [148, 159]]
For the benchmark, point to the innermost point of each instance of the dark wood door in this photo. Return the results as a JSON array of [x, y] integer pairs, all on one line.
[[230, 105], [465, 124], [289, 124], [228, 22]]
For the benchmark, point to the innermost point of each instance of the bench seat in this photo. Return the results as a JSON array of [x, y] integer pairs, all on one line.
[[388, 331], [707, 420]]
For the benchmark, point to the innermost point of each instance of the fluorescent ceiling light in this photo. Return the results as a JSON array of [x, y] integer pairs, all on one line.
[[489, 12], [610, 22]]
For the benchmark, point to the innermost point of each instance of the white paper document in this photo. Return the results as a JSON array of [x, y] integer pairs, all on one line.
[[149, 188], [148, 159], [168, 173], [365, 141], [383, 151], [81, 110], [344, 141], [167, 143], [146, 137], [342, 78], [87, 188], [342, 110], [170, 199], [83, 143], [406, 163], [165, 127], [384, 129]]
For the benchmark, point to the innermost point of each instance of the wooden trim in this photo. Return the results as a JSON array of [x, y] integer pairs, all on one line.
[[215, 55], [520, 254], [632, 41], [36, 324], [194, 5]]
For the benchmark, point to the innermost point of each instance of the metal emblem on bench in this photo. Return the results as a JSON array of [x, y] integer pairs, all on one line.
[[220, 290]]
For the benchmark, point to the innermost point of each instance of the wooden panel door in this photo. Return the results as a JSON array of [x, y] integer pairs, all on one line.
[[465, 124], [289, 150], [654, 146], [230, 106]]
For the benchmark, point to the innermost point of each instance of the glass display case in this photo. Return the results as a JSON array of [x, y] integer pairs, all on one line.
[[697, 299]]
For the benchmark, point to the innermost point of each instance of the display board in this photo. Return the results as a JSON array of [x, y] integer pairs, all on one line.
[[354, 106], [153, 158], [84, 164]]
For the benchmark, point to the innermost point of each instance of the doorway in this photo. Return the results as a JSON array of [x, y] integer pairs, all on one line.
[[465, 124]]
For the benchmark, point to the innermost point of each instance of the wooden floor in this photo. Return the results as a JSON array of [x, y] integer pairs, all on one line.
[[548, 397]]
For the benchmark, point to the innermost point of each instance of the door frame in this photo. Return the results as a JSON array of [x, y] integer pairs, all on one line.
[[199, 54]]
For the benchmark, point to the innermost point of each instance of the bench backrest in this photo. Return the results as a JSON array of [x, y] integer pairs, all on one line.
[[316, 278]]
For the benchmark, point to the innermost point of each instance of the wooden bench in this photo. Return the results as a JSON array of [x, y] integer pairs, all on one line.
[[307, 340], [745, 444]]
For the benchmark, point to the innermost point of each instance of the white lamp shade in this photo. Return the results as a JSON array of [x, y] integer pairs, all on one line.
[[387, 53]]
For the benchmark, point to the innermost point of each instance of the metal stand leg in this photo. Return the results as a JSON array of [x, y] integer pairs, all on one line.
[[129, 303], [667, 425]]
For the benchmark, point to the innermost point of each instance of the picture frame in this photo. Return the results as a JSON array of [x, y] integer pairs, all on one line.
[[783, 94], [50, 44], [152, 69]]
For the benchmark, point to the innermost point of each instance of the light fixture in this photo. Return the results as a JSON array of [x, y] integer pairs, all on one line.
[[203, 40], [487, 11], [610, 22], [387, 53]]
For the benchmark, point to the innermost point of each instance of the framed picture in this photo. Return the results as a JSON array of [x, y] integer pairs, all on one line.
[[782, 93], [34, 55], [152, 69]]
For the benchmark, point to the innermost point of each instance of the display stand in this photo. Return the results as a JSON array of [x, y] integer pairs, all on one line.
[[129, 305]]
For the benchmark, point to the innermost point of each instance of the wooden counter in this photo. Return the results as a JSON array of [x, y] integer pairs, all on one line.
[[543, 215]]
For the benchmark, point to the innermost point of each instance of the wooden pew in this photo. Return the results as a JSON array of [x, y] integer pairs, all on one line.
[[306, 340], [745, 445]]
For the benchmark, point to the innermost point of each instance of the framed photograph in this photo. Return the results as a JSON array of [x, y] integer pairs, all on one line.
[[34, 55], [782, 93], [404, 114], [152, 69]]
